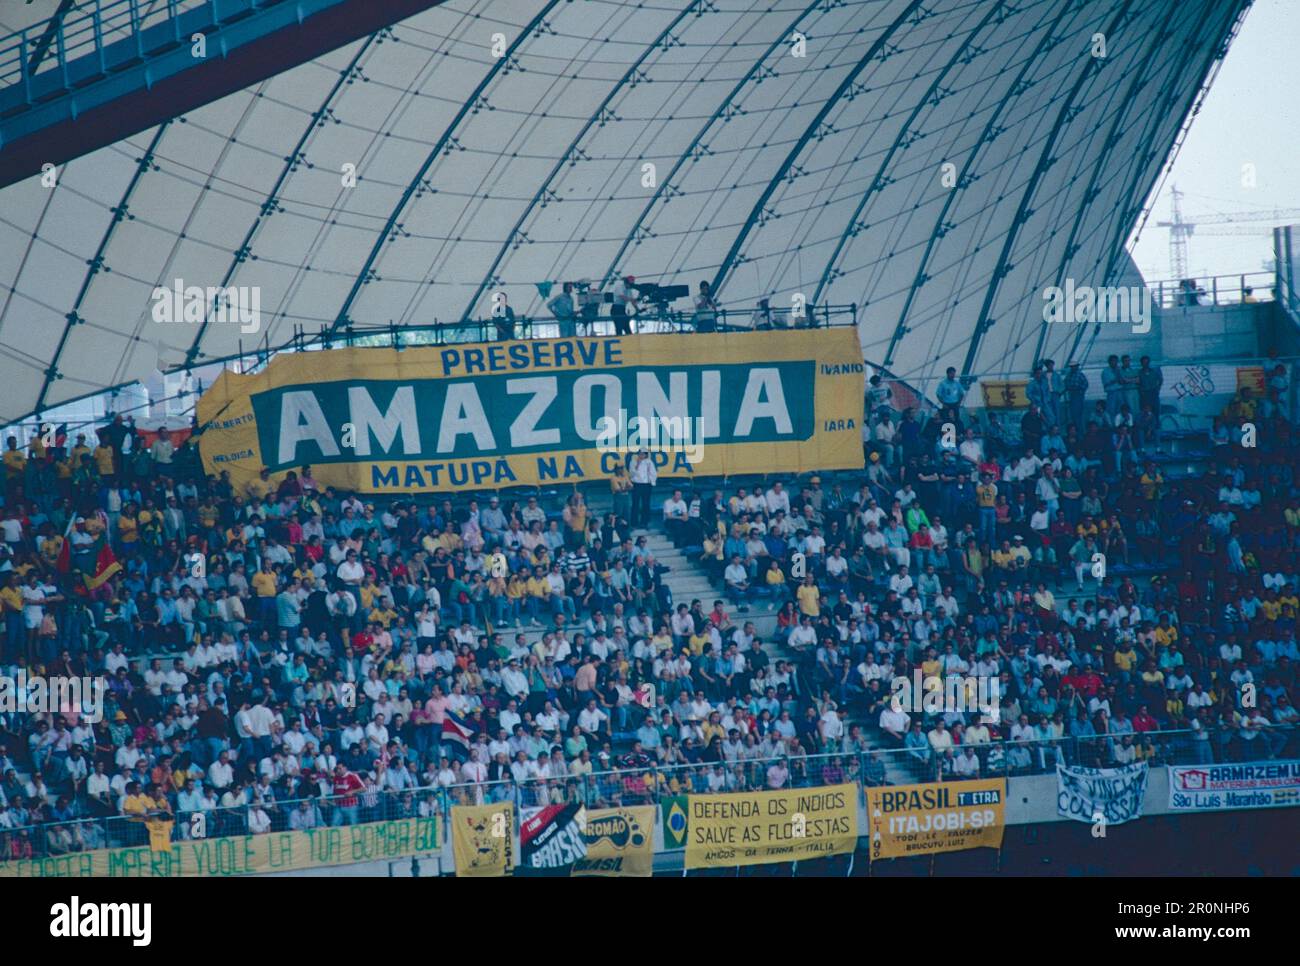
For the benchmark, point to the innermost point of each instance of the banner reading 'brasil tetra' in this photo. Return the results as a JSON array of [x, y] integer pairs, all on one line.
[[941, 817], [478, 416]]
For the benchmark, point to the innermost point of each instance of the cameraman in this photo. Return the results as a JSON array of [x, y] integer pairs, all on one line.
[[626, 297], [706, 310]]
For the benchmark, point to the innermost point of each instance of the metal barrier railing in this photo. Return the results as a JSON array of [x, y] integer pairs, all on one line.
[[651, 783], [652, 322], [474, 330], [527, 327], [85, 32], [1213, 290]]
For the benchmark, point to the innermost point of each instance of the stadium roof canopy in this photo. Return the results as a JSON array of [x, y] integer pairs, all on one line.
[[936, 162]]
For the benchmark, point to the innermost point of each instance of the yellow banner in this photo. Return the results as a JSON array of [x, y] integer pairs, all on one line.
[[941, 817], [497, 414], [482, 839], [1005, 393], [241, 854], [751, 828], [620, 841]]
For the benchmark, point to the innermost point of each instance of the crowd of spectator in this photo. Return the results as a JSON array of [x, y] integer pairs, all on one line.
[[283, 655], [1111, 595]]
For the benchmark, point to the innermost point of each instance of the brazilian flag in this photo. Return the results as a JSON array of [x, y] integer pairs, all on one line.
[[674, 814]]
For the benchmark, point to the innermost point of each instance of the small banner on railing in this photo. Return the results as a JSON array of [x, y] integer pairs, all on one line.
[[160, 834], [482, 839], [907, 820], [1111, 796], [551, 839], [1250, 784], [620, 841], [674, 814], [752, 828]]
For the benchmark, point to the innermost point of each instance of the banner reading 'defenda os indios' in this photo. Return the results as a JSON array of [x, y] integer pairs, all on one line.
[[478, 416], [751, 828], [946, 817]]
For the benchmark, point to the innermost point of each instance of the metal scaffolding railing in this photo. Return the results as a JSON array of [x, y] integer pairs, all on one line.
[[92, 39], [1213, 290]]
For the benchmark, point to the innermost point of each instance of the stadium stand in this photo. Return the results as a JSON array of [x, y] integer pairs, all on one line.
[[288, 656]]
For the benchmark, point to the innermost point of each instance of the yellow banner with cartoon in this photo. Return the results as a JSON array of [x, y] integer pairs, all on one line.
[[752, 828], [234, 855], [620, 842], [482, 839], [497, 414], [907, 820]]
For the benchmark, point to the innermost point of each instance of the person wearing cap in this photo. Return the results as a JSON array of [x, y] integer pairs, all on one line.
[[492, 521]]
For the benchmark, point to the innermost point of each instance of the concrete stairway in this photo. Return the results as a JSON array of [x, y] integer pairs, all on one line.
[[688, 581]]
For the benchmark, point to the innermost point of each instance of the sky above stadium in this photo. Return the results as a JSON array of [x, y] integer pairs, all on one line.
[[1250, 116]]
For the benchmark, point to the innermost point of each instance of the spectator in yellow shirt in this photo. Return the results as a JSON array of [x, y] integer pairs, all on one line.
[[80, 450], [128, 527], [11, 611], [1271, 607], [136, 804], [1125, 658], [1152, 483], [1164, 633], [809, 597], [256, 489], [698, 642], [104, 460], [774, 576], [931, 667], [264, 582], [15, 462]]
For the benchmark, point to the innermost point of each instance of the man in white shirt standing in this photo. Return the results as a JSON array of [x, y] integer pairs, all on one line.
[[351, 573], [644, 475], [624, 307]]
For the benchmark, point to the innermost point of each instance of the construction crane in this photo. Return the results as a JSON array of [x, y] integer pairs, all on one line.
[[1181, 229]]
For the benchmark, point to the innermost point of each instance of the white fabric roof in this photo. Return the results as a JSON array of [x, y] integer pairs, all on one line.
[[775, 174]]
